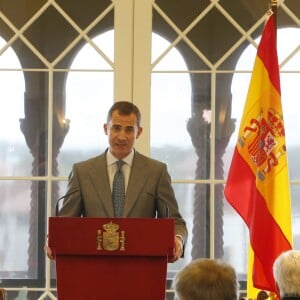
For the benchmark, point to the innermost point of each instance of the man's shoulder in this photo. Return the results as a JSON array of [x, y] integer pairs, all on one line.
[[90, 161], [149, 160]]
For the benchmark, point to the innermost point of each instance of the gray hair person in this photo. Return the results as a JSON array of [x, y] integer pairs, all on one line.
[[286, 271], [206, 279]]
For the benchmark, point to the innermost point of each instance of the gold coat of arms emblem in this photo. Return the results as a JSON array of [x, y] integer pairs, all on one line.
[[110, 238], [262, 142]]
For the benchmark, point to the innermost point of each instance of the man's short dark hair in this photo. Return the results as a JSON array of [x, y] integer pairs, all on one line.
[[124, 108]]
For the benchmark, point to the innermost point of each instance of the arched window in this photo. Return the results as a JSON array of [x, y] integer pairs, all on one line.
[[89, 94]]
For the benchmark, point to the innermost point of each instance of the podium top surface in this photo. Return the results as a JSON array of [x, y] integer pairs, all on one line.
[[111, 236]]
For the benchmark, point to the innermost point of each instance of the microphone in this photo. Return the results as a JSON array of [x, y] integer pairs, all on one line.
[[63, 197]]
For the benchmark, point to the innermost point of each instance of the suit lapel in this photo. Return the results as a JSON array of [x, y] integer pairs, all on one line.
[[99, 178], [136, 182]]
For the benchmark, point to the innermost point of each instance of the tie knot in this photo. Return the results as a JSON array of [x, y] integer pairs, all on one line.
[[119, 163]]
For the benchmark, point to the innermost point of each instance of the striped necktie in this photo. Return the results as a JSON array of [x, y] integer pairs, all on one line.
[[118, 191]]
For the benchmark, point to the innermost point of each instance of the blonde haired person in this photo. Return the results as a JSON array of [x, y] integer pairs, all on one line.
[[286, 270], [206, 279]]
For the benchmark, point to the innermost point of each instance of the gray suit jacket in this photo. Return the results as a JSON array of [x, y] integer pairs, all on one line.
[[149, 192]]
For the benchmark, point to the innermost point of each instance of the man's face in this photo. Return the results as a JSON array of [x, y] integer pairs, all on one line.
[[122, 131]]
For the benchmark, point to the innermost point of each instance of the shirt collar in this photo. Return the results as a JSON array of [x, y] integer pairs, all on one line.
[[127, 159]]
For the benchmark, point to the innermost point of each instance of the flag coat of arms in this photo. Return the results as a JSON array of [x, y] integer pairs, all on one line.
[[257, 186]]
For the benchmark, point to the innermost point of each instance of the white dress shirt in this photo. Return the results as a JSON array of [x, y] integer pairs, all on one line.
[[112, 167]]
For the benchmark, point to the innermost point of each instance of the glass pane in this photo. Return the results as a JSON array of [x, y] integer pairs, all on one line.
[[235, 249], [164, 56], [246, 14], [288, 41], [185, 196], [91, 50], [19, 219], [59, 189], [170, 140], [21, 13], [289, 102], [43, 32], [98, 55], [92, 9], [183, 12], [295, 194], [210, 26]]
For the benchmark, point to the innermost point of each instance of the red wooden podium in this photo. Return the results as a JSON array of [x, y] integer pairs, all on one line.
[[111, 258]]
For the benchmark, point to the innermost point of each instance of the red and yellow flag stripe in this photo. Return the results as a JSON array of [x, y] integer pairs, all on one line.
[[258, 184]]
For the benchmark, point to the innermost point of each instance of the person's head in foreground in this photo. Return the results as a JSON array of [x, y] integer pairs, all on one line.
[[206, 279], [286, 270]]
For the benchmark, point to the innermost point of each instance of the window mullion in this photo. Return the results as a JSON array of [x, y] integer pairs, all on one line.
[[123, 53], [142, 68]]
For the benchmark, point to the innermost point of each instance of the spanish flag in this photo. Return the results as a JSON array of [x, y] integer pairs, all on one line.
[[257, 186]]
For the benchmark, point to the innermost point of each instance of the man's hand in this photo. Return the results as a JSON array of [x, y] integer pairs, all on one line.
[[48, 250], [178, 249]]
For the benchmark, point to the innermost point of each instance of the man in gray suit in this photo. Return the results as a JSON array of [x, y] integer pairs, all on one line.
[[148, 190]]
